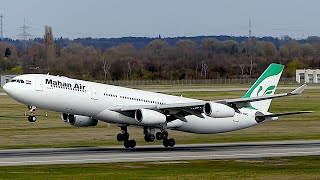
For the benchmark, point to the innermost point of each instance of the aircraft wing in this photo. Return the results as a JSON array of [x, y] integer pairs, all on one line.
[[196, 108]]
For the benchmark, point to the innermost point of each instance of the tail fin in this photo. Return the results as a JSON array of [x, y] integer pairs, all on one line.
[[265, 85]]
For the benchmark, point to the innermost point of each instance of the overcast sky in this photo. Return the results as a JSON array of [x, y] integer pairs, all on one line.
[[170, 18]]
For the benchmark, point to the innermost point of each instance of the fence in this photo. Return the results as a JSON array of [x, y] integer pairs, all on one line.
[[193, 81]]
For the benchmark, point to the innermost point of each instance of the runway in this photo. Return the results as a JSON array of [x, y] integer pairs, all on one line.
[[20, 157]]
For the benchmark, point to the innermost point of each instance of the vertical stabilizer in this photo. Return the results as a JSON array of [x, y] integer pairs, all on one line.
[[265, 85]]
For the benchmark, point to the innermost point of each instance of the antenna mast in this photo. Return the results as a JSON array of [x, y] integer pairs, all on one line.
[[250, 28], [1, 27]]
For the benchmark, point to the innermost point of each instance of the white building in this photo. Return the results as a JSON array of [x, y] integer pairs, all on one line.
[[308, 75]]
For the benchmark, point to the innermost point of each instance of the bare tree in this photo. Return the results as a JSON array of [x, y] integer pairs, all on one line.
[[106, 67], [204, 69], [130, 66], [242, 67]]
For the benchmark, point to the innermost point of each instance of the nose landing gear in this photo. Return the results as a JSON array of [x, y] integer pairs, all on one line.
[[32, 117]]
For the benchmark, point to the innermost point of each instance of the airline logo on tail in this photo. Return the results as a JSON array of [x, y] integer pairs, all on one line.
[[270, 90], [265, 85]]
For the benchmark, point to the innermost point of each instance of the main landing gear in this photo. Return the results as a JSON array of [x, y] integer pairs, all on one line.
[[148, 137], [163, 135], [32, 117], [124, 136]]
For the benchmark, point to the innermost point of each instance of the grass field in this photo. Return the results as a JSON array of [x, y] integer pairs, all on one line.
[[50, 131], [270, 168]]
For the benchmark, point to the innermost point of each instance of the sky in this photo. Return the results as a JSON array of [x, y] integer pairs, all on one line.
[[169, 18]]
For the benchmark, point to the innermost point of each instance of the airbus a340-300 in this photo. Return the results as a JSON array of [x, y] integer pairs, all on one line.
[[83, 103]]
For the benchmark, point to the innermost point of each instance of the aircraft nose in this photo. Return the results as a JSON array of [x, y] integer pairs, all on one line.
[[7, 87]]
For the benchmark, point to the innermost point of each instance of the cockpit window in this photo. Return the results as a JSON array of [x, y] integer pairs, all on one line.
[[13, 80]]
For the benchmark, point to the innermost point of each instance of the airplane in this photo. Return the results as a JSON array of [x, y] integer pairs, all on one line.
[[83, 104]]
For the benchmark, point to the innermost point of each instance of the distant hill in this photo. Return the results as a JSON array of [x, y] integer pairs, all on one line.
[[140, 42]]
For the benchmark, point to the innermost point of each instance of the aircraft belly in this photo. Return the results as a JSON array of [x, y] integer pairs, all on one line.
[[210, 125]]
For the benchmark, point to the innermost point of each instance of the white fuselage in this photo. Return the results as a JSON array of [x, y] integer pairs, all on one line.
[[66, 95]]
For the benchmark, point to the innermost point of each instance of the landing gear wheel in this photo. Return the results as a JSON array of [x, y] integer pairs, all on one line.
[[125, 136], [126, 144], [152, 137], [120, 137], [132, 143], [171, 142], [165, 142], [164, 134], [158, 136], [146, 138], [149, 137], [32, 118]]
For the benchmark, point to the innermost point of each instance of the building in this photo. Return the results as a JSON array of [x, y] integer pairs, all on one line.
[[6, 78], [308, 75]]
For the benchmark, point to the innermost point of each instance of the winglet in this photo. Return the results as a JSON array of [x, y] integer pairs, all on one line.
[[299, 90]]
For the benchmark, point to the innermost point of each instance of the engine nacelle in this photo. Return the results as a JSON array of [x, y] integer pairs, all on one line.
[[78, 120], [147, 116], [217, 110]]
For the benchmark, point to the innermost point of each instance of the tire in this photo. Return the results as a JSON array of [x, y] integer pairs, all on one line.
[[126, 144], [158, 136], [132, 143], [171, 142], [165, 143], [151, 137], [164, 135], [120, 137], [125, 136], [32, 119], [146, 138]]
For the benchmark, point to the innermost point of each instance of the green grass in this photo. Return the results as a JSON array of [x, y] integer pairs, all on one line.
[[269, 168], [50, 131]]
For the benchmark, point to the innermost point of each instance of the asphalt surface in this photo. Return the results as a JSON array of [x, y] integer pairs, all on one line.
[[18, 157]]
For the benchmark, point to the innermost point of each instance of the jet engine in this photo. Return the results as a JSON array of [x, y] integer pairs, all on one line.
[[78, 120], [217, 110], [147, 116]]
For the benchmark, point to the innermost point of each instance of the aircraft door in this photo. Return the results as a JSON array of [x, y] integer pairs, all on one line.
[[39, 85], [94, 94]]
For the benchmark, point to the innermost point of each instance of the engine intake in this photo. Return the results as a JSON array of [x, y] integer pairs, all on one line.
[[217, 110], [147, 116], [78, 120]]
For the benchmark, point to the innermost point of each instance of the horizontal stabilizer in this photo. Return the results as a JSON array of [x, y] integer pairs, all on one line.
[[299, 90], [286, 114]]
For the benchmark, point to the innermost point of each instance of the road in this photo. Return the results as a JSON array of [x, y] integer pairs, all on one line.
[[17, 157]]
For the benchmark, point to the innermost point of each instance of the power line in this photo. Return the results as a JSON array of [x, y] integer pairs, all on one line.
[[24, 35]]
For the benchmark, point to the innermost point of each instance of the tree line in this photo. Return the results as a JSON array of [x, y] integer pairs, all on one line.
[[158, 58]]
